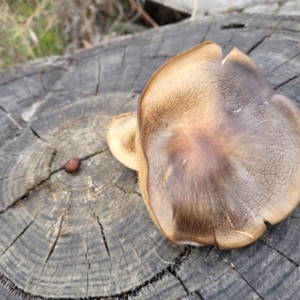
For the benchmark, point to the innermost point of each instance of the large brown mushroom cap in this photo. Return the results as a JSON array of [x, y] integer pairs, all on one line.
[[218, 151]]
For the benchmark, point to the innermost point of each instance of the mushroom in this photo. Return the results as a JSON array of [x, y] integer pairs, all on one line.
[[121, 139], [216, 149]]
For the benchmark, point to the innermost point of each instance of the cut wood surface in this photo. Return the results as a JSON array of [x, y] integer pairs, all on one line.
[[88, 235]]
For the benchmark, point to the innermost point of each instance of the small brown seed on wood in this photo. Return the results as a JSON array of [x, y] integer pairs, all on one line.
[[72, 165]]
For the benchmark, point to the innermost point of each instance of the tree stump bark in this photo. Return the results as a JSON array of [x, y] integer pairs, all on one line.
[[88, 235]]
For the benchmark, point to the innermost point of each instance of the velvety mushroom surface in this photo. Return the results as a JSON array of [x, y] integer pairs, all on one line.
[[218, 151]]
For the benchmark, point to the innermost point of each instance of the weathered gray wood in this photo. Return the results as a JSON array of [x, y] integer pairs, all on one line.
[[8, 127], [89, 234], [75, 226]]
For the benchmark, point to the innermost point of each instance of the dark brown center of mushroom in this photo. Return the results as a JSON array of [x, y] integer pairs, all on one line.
[[197, 166], [203, 154]]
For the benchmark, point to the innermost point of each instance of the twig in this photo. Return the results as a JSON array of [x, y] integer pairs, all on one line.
[[194, 10], [165, 262], [120, 16], [143, 13]]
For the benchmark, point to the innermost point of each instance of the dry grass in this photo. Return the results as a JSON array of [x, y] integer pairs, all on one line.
[[38, 28]]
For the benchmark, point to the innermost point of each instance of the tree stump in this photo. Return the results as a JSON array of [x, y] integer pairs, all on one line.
[[88, 235]]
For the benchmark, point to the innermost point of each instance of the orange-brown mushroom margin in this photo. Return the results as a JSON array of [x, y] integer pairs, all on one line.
[[216, 149]]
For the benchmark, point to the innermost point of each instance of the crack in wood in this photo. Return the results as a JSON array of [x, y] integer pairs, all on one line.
[[11, 117], [12, 178], [88, 267], [206, 32], [173, 273], [198, 293], [274, 69], [98, 76], [105, 186], [18, 236], [285, 82], [15, 290], [42, 82], [34, 187], [281, 254], [152, 238], [229, 41], [174, 267], [13, 138], [84, 108], [29, 89], [260, 42], [33, 99], [209, 251], [50, 63], [244, 279], [138, 254], [158, 56], [80, 80], [123, 104], [36, 134], [54, 273], [211, 282], [54, 152], [127, 192], [65, 65], [57, 235], [136, 77], [86, 157], [124, 48], [274, 232], [232, 26], [161, 41], [294, 217], [124, 255], [103, 237]]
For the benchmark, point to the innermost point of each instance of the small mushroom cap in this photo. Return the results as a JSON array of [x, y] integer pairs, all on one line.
[[218, 150], [121, 139]]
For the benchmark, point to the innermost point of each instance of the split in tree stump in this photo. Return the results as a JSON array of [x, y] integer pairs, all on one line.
[[88, 235]]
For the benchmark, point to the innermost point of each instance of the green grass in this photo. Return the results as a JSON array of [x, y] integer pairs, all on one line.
[[37, 28], [29, 30]]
